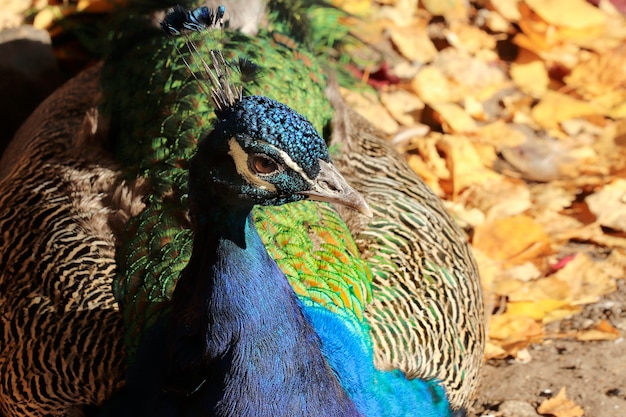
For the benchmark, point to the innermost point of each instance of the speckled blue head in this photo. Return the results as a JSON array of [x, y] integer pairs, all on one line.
[[259, 117], [263, 152], [252, 127]]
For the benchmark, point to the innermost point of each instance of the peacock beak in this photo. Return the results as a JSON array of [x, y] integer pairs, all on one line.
[[332, 187]]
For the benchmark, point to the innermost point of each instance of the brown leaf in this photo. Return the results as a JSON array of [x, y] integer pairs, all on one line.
[[513, 239], [601, 331], [560, 406], [556, 107], [609, 205]]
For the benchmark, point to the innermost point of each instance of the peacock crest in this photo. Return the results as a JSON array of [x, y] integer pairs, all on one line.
[[216, 76]]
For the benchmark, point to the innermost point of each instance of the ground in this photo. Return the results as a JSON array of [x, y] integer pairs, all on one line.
[[593, 373]]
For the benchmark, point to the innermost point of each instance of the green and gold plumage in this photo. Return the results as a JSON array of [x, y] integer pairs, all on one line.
[[407, 274]]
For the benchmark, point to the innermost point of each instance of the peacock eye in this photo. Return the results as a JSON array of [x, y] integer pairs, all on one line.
[[262, 164]]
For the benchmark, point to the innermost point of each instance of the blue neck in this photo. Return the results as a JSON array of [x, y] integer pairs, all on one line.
[[239, 343]]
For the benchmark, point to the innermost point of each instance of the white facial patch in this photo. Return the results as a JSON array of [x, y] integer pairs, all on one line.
[[240, 157]]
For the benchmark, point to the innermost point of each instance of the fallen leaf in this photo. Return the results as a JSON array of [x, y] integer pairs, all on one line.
[[453, 118], [368, 106], [498, 198], [609, 205], [413, 42], [556, 107], [576, 14], [356, 7], [404, 107], [514, 332], [601, 331], [509, 9], [451, 9], [534, 309], [532, 77], [432, 86], [560, 406], [512, 239], [469, 37], [587, 279]]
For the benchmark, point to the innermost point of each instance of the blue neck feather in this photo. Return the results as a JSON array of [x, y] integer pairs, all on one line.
[[238, 341]]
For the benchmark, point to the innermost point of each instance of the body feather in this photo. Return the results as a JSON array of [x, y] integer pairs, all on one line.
[[397, 293]]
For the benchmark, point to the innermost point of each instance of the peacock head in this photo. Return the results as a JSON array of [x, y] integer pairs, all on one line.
[[263, 152], [260, 151]]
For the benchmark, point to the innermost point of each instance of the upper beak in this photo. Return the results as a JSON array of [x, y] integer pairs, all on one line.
[[332, 187]]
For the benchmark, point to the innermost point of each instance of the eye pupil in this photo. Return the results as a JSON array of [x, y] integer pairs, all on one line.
[[263, 165]]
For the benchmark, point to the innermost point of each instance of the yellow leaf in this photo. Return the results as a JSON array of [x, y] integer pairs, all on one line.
[[513, 333], [561, 313], [556, 107], [560, 406], [514, 239], [413, 43], [602, 331], [575, 14], [464, 163], [536, 310], [588, 280], [548, 288], [432, 86], [532, 78], [499, 198], [356, 7], [493, 351], [454, 118], [470, 38], [450, 9], [509, 9]]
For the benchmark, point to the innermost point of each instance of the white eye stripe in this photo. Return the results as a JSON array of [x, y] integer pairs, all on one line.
[[240, 157], [293, 165]]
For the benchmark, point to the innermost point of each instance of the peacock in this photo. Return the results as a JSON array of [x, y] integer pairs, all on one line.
[[101, 225]]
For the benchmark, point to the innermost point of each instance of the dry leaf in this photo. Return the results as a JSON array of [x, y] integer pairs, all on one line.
[[451, 9], [469, 38], [404, 107], [556, 107], [560, 406], [513, 239], [464, 163], [498, 198], [576, 14], [413, 42], [432, 86], [600, 74], [588, 280], [535, 309], [368, 106], [513, 333], [509, 9], [356, 7], [609, 205], [601, 331], [453, 118], [532, 78]]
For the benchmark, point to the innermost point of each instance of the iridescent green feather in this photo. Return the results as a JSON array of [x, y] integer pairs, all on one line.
[[158, 113]]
